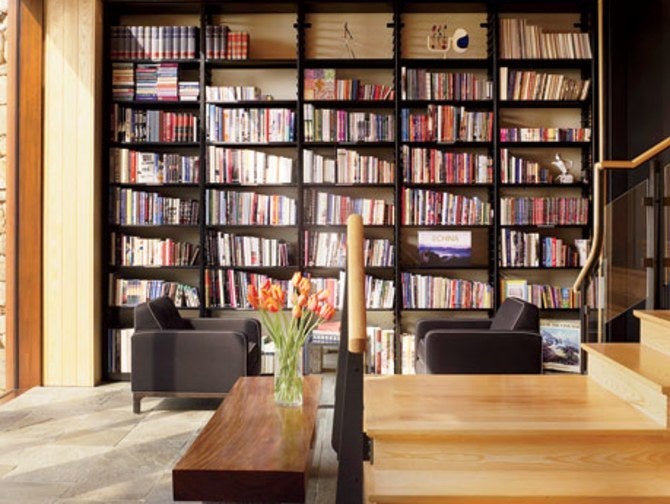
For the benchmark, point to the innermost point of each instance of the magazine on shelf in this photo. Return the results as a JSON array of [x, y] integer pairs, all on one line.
[[561, 345], [445, 248]]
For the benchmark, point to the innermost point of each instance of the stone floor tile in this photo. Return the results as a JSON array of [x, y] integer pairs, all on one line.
[[30, 493], [52, 463]]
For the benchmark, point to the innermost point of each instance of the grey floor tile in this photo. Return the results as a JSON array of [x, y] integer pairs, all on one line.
[[30, 493]]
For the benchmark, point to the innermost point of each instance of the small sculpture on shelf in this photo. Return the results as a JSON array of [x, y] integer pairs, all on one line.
[[564, 177], [439, 41], [349, 42]]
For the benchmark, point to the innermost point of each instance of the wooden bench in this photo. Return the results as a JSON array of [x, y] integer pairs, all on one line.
[[251, 449]]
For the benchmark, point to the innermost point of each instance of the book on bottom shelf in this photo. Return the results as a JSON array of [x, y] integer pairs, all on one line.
[[561, 345]]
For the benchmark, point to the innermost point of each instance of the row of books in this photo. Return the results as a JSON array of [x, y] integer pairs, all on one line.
[[133, 291], [425, 207], [237, 208], [446, 123], [333, 209], [380, 356], [426, 84], [229, 249], [380, 351], [545, 134], [327, 125], [520, 39], [239, 125], [532, 85], [329, 249], [228, 288], [137, 125], [517, 170], [222, 43], [379, 293], [118, 355], [139, 167], [153, 42], [433, 166], [544, 211], [136, 208], [530, 250], [232, 93], [247, 167], [436, 292], [128, 250], [543, 296], [322, 84], [348, 167]]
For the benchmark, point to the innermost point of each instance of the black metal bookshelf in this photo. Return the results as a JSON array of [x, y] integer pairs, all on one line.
[[204, 11]]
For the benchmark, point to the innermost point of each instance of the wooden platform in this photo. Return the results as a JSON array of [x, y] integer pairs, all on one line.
[[510, 439], [532, 439], [251, 449]]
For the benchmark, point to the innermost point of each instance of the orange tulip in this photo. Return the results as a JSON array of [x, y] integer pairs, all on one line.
[[304, 286], [323, 295], [295, 280], [302, 300], [326, 312], [313, 304], [252, 296], [297, 311], [271, 305]]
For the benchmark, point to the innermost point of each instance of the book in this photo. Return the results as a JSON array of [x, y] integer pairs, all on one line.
[[561, 345], [319, 84], [445, 248]]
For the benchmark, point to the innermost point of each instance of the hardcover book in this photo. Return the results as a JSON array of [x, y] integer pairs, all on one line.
[[560, 345], [319, 84], [445, 248]]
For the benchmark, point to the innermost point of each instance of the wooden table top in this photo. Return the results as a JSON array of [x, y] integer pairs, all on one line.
[[251, 449], [494, 404]]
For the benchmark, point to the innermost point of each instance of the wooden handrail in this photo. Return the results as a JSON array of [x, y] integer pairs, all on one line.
[[598, 168], [356, 285]]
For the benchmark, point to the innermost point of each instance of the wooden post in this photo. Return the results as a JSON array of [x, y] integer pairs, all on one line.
[[356, 284]]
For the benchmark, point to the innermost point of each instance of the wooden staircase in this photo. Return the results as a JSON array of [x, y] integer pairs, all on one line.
[[639, 373], [607, 441]]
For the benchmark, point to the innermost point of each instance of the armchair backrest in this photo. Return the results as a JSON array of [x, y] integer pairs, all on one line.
[[516, 314], [159, 313]]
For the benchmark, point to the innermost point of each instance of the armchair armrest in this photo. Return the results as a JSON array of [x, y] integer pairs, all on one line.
[[187, 360], [248, 326], [425, 325], [483, 351]]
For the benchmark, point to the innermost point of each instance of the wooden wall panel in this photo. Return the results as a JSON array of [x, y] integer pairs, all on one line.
[[24, 192], [71, 171]]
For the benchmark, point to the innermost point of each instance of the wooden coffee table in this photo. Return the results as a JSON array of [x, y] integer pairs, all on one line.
[[251, 449]]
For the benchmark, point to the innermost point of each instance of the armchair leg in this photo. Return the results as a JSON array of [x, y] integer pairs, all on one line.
[[136, 403]]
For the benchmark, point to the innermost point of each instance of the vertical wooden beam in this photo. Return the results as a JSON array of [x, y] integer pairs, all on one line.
[[24, 195], [71, 271]]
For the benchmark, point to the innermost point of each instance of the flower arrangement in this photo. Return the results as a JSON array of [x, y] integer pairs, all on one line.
[[288, 332]]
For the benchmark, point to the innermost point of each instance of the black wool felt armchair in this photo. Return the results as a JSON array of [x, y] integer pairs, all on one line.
[[189, 357]]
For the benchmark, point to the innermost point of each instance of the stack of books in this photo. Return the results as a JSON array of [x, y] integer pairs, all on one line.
[[189, 91], [167, 79], [123, 82]]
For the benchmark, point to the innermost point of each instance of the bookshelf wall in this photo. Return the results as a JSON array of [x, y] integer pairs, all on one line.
[[318, 109]]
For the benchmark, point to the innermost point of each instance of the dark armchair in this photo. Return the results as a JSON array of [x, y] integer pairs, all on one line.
[[508, 343], [179, 357]]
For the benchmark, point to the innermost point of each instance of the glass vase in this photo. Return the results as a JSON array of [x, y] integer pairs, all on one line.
[[288, 376]]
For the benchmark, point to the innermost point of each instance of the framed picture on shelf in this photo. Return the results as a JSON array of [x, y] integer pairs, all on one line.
[[445, 248], [560, 345]]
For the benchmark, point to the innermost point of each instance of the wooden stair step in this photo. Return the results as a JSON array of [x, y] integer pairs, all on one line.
[[637, 373], [517, 486], [655, 329]]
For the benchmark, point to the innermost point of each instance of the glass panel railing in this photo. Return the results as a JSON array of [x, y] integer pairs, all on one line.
[[627, 244]]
